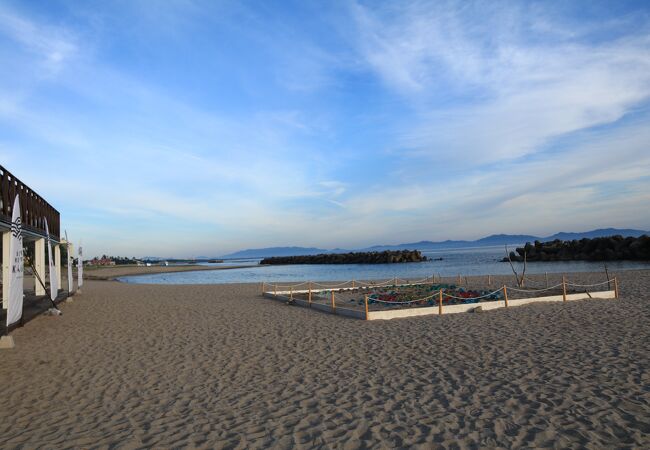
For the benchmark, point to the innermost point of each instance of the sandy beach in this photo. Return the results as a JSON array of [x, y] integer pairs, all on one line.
[[112, 272], [205, 366]]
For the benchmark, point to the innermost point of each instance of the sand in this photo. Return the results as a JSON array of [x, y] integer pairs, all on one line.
[[112, 272], [141, 366]]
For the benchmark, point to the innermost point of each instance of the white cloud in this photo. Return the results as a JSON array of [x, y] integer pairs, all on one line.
[[54, 46], [523, 93]]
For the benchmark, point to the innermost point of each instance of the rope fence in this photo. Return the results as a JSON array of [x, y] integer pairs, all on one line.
[[324, 295]]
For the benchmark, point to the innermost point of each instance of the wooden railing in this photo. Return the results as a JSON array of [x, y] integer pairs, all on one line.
[[34, 209]]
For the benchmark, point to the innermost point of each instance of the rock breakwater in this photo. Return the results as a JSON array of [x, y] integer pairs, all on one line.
[[385, 257], [613, 248]]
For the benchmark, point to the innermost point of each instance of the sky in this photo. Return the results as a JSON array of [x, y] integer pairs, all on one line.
[[196, 128]]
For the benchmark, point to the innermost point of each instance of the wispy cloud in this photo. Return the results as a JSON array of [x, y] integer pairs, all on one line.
[[53, 45], [248, 125]]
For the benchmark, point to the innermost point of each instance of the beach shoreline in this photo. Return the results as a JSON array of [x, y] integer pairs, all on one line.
[[206, 366], [113, 272]]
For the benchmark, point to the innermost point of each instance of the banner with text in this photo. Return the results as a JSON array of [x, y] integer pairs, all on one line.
[[15, 306]]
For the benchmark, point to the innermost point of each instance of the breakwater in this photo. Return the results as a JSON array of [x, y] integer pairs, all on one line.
[[385, 257], [613, 248]]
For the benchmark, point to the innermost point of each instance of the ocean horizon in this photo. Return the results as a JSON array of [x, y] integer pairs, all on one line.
[[454, 262]]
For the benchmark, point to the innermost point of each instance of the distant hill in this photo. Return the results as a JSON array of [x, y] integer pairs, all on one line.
[[602, 232], [492, 240], [276, 251]]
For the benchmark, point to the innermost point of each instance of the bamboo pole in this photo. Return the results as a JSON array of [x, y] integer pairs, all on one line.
[[366, 300], [505, 294], [333, 303], [440, 302], [616, 287], [563, 288]]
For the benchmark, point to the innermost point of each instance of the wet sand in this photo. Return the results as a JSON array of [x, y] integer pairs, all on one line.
[[141, 366]]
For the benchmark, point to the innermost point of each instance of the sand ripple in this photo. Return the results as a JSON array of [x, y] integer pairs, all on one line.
[[131, 366]]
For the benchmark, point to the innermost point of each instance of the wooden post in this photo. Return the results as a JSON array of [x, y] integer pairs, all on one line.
[[466, 282], [505, 294], [263, 287], [546, 276], [440, 302], [352, 284], [290, 293], [563, 288], [275, 290], [366, 300], [615, 287], [333, 303], [459, 280], [489, 280], [309, 297], [395, 281]]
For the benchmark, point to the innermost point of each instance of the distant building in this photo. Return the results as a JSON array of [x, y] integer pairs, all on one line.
[[102, 262]]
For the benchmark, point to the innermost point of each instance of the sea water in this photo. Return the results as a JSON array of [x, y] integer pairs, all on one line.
[[469, 261]]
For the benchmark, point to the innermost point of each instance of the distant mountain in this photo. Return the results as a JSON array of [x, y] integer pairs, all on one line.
[[602, 232], [276, 251], [495, 239], [504, 239]]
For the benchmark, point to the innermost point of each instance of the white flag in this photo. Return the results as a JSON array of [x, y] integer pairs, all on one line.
[[54, 289], [80, 267], [15, 307]]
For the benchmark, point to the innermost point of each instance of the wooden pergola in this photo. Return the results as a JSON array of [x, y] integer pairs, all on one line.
[[34, 209]]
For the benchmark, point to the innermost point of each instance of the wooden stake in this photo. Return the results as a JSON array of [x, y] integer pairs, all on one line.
[[546, 275], [489, 280], [505, 294], [291, 293], [275, 290], [352, 284], [366, 300], [563, 288], [309, 297], [333, 303], [440, 303], [615, 287], [263, 283], [459, 280]]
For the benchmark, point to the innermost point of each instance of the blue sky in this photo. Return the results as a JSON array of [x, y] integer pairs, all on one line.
[[184, 128]]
